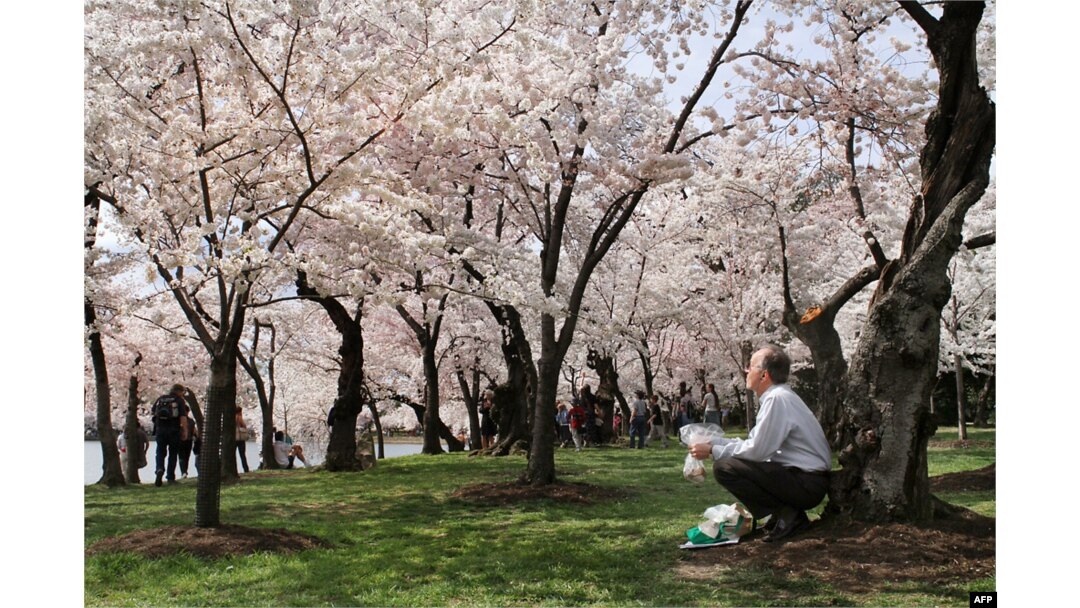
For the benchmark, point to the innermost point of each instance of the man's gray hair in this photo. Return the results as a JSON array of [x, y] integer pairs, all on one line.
[[775, 361]]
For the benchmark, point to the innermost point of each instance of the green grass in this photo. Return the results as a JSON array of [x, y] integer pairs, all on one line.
[[399, 538]]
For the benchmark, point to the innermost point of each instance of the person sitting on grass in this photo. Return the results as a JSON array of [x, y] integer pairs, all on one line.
[[286, 455], [782, 468]]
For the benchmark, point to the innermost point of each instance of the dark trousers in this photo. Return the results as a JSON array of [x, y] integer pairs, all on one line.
[[241, 451], [168, 440], [185, 455], [637, 428], [767, 487]]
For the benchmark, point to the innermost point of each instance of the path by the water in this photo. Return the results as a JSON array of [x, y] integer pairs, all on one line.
[[315, 455]]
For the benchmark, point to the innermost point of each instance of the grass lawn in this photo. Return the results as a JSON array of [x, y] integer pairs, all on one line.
[[399, 538]]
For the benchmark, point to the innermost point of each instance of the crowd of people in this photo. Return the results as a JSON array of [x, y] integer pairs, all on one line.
[[649, 420]]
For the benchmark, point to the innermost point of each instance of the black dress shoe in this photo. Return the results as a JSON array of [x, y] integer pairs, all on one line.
[[787, 524], [764, 527]]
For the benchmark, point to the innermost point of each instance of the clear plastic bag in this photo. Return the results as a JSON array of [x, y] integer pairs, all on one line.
[[694, 469]]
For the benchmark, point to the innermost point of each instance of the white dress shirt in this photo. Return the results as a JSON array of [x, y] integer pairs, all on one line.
[[786, 433]]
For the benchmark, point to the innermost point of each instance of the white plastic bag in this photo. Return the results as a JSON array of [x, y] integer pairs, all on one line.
[[722, 524], [730, 521], [694, 469]]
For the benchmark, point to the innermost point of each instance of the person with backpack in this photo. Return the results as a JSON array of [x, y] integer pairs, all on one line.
[[167, 413], [577, 422]]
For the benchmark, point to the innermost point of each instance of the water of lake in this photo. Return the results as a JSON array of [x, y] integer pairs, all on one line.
[[314, 454]]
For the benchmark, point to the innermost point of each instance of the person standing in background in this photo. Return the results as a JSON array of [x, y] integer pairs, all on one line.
[[186, 444], [241, 438], [710, 403]]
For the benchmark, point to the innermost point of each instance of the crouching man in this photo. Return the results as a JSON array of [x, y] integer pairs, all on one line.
[[782, 468]]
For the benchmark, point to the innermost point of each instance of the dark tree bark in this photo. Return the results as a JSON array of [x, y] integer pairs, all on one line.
[[111, 474], [887, 421], [378, 428], [341, 453], [607, 392], [514, 397], [432, 420], [196, 409], [220, 403], [131, 425], [815, 328]]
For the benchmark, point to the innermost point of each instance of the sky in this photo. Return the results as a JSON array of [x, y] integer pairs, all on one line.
[[42, 60]]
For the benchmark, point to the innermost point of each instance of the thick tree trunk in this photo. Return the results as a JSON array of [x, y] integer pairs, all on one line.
[[432, 422], [830, 369], [341, 452], [352, 394], [514, 398], [220, 399], [888, 421], [267, 410], [541, 468], [886, 410], [607, 393], [131, 427], [228, 440], [111, 474]]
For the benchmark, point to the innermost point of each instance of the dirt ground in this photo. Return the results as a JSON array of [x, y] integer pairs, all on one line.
[[853, 557]]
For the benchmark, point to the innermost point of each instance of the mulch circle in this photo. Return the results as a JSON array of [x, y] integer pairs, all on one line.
[[979, 480], [222, 541]]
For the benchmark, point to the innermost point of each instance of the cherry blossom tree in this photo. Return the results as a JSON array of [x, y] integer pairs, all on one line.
[[567, 178], [111, 473], [212, 127], [886, 415]]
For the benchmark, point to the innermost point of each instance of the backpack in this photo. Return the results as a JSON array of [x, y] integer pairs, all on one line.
[[167, 409], [577, 418]]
